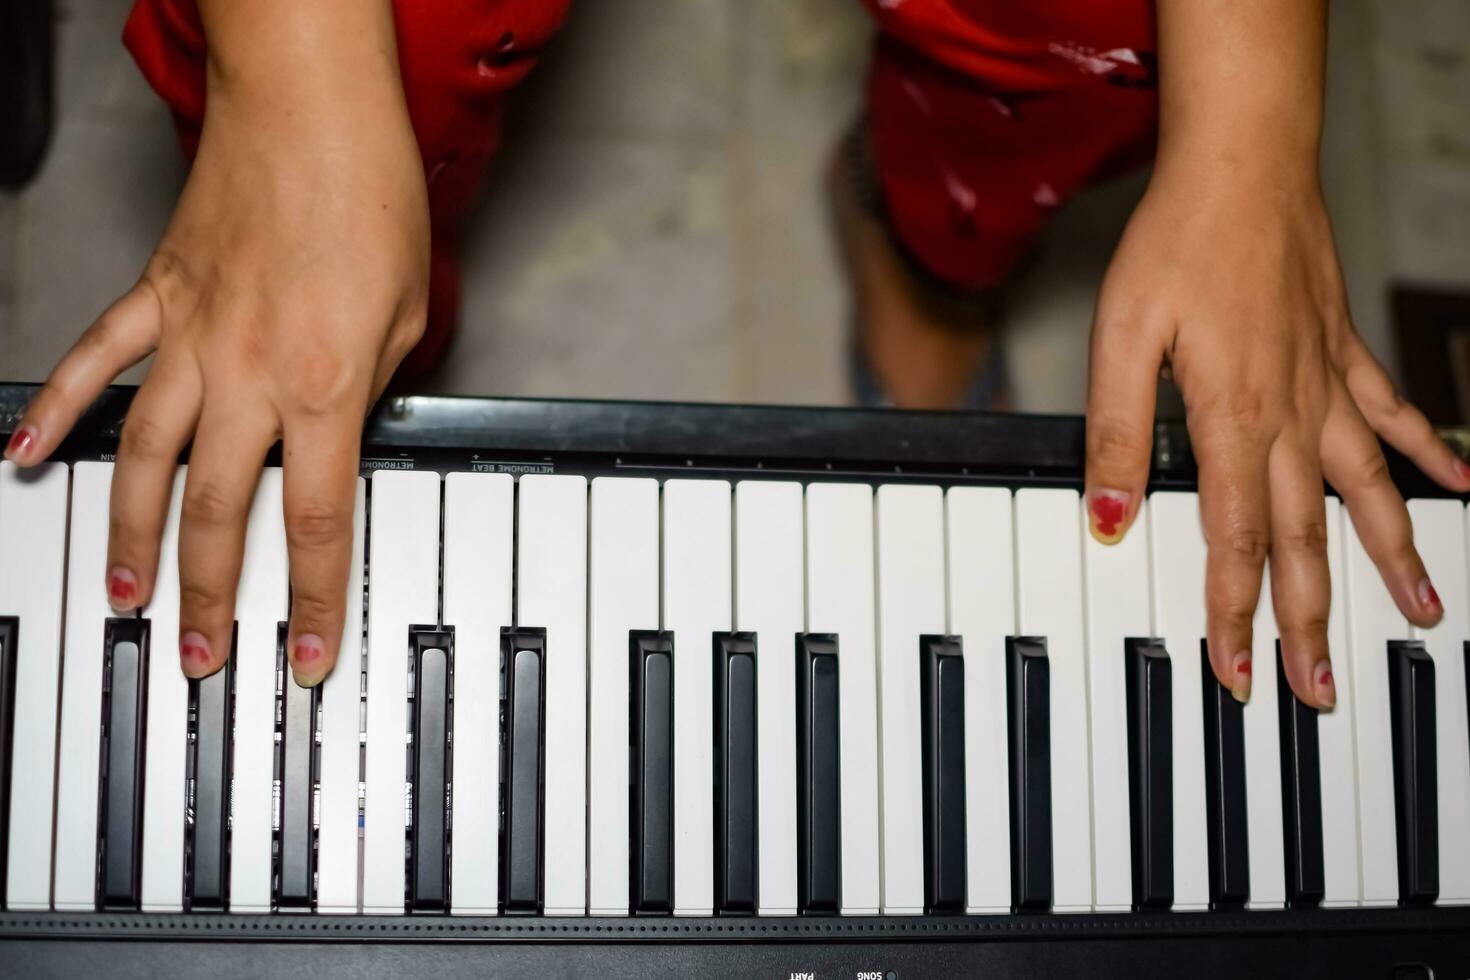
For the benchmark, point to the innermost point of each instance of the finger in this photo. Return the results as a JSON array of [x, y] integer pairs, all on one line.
[[121, 337], [1400, 424], [224, 468], [1123, 374], [321, 456], [1235, 514], [1354, 465], [159, 423], [1301, 586]]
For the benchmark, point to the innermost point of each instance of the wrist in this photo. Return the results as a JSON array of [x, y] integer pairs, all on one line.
[[1238, 170], [294, 53]]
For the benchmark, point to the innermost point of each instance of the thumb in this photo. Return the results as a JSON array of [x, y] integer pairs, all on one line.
[[1123, 375]]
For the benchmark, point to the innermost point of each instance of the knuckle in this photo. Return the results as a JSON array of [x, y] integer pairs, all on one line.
[[1309, 538], [1303, 626], [316, 524], [1110, 437], [210, 503], [144, 438], [324, 387], [1245, 545], [310, 609], [166, 268], [1248, 410], [203, 599], [1372, 468]]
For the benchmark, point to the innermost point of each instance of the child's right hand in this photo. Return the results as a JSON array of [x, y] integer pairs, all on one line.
[[291, 281]]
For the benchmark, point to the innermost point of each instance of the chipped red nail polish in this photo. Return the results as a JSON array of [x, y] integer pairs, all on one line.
[[1108, 509], [1240, 688], [1428, 596], [1322, 683], [1462, 469], [308, 649], [122, 586], [194, 647], [20, 440]]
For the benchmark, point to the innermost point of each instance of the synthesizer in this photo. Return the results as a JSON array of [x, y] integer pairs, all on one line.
[[639, 689]]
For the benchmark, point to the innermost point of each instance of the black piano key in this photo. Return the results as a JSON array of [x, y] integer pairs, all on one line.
[[1225, 819], [651, 772], [735, 772], [523, 742], [1150, 771], [818, 775], [1301, 795], [1028, 689], [208, 871], [124, 711], [942, 743], [299, 708], [433, 652], [9, 636], [1415, 793]]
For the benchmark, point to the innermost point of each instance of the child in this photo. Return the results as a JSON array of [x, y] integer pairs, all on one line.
[[338, 143]]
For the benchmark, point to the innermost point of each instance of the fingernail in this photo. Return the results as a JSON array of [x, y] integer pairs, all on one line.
[[1462, 469], [1241, 688], [1428, 598], [1322, 684], [308, 648], [304, 656], [1107, 508], [194, 654], [20, 440], [122, 588]]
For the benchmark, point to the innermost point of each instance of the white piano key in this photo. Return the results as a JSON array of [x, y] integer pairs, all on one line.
[[479, 512], [552, 583], [623, 596], [1118, 608], [340, 759], [167, 728], [1335, 743], [982, 612], [910, 605], [840, 600], [403, 591], [1439, 534], [1049, 603], [1373, 620], [770, 602], [87, 612], [696, 600], [1177, 551], [33, 508], [261, 605], [1264, 823]]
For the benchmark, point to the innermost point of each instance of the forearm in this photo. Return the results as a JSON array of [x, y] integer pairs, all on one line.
[[1241, 87]]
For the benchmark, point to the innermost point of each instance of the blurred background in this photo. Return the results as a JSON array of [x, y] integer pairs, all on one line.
[[656, 227]]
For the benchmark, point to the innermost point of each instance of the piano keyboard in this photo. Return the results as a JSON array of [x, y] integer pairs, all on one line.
[[583, 684]]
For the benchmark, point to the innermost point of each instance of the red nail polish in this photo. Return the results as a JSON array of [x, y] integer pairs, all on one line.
[[20, 441], [307, 652], [1434, 597], [1462, 469], [195, 652], [1244, 667], [1109, 508], [120, 588]]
